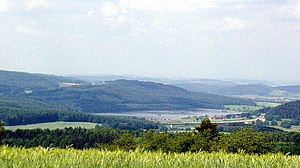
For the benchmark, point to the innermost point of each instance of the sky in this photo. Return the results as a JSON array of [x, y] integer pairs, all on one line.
[[240, 39]]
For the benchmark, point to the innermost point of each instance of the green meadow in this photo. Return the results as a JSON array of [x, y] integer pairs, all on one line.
[[53, 125]]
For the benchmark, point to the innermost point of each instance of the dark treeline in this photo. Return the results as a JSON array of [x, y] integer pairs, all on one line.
[[204, 138], [21, 116], [79, 138]]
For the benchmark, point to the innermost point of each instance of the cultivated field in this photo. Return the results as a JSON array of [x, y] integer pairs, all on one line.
[[244, 108], [53, 125], [294, 128], [41, 157]]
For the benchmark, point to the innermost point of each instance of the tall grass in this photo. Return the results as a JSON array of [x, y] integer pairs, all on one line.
[[48, 157]]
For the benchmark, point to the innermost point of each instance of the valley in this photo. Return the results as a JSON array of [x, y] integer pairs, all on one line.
[[149, 84], [175, 115], [174, 107], [126, 115]]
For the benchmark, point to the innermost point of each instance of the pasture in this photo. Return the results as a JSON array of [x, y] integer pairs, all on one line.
[[53, 125], [244, 108]]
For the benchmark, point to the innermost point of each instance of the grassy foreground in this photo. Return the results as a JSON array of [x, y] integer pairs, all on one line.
[[45, 157]]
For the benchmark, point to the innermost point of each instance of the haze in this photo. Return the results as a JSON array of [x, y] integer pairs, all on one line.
[[155, 38]]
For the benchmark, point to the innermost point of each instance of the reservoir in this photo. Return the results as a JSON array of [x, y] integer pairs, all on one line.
[[172, 115]]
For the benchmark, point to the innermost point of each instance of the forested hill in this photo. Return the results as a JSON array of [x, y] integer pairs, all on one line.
[[256, 89], [289, 110], [220, 89], [293, 88], [109, 96], [20, 81], [124, 95]]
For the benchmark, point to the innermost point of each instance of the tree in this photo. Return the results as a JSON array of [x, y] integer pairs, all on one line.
[[184, 142], [259, 123], [202, 142], [274, 123], [125, 142], [1, 131], [287, 147], [247, 141], [158, 141], [286, 124], [208, 128]]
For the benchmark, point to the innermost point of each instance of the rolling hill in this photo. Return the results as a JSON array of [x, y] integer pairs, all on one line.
[[110, 96], [20, 81], [289, 110], [202, 87], [125, 95], [235, 88], [251, 89], [240, 90], [292, 88], [221, 89]]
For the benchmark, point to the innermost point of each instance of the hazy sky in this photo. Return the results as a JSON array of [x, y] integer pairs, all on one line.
[[257, 39]]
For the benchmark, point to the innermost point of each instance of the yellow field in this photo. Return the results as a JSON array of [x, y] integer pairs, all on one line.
[[41, 157]]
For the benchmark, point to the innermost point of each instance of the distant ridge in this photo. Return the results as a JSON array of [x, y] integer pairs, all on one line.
[[23, 80], [249, 89], [108, 96], [293, 88]]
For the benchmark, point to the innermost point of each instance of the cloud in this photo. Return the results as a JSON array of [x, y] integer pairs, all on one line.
[[33, 4], [109, 9], [23, 29], [115, 14], [291, 10], [29, 29], [239, 6], [169, 5], [122, 11], [4, 6], [236, 23], [90, 13], [28, 5]]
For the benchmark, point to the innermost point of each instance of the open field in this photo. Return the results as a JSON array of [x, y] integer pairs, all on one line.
[[294, 128], [272, 98], [53, 125], [259, 105], [41, 157], [242, 108], [267, 104]]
